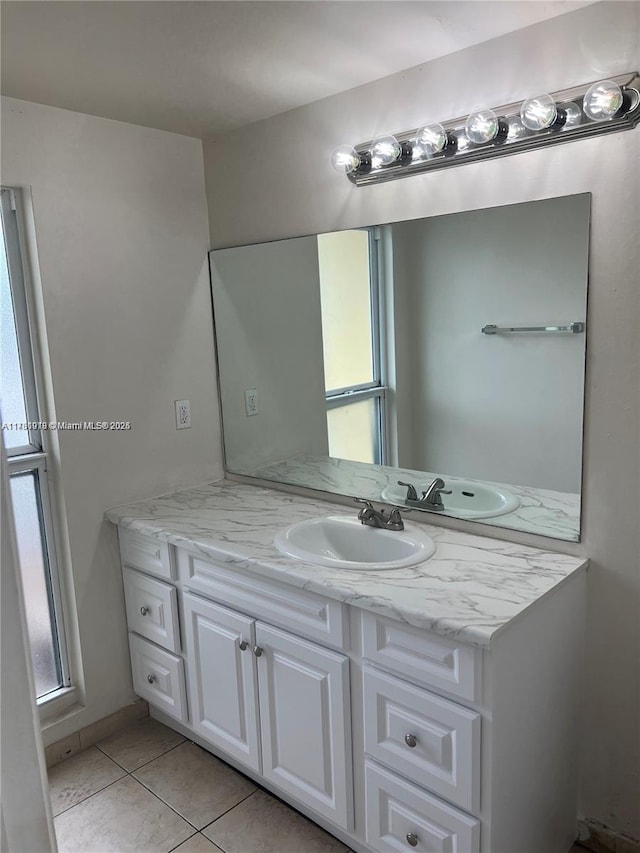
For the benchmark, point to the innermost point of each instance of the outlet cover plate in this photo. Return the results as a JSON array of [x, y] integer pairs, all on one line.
[[183, 414]]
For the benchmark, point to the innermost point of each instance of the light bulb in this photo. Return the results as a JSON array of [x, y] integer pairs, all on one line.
[[539, 113], [516, 129], [385, 150], [428, 141], [602, 101], [462, 141], [573, 114], [345, 159], [482, 126]]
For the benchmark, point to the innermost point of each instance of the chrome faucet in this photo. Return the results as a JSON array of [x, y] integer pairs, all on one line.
[[431, 498], [378, 517]]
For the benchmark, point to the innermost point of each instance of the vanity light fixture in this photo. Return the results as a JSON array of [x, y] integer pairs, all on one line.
[[606, 106]]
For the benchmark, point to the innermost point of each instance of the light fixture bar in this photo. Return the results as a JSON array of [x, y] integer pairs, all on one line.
[[518, 138]]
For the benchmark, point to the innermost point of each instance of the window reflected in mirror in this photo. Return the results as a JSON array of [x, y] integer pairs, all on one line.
[[349, 298]]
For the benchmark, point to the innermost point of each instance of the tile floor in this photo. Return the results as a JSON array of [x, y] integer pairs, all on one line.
[[149, 790]]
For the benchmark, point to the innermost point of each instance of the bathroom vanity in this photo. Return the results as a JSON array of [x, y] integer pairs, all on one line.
[[433, 707]]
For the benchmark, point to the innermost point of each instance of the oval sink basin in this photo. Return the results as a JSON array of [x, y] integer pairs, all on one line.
[[342, 542], [468, 499]]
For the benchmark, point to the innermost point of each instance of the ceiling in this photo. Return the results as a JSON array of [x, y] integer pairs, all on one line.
[[208, 67]]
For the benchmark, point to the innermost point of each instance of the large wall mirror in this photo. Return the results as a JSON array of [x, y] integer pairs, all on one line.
[[375, 361]]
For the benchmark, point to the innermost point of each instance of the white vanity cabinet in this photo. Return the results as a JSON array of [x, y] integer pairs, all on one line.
[[393, 737]]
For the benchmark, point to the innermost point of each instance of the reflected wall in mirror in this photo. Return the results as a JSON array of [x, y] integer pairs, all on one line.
[[367, 352]]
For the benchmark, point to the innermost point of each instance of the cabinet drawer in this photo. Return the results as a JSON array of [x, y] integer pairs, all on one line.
[[144, 552], [431, 740], [152, 609], [158, 677], [289, 607], [401, 817], [422, 656]]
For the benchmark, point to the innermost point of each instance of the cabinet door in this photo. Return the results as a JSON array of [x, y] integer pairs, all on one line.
[[304, 720], [222, 678]]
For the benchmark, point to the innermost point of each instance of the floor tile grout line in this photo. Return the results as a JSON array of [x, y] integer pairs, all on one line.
[[84, 799], [215, 846], [165, 803], [106, 754], [243, 800], [162, 754], [173, 809], [171, 748], [183, 842]]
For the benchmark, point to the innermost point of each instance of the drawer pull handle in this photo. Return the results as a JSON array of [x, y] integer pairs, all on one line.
[[151, 679], [412, 839], [156, 553], [411, 741], [145, 610], [257, 651], [243, 645]]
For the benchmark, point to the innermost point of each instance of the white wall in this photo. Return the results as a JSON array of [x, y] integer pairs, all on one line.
[[121, 226], [483, 405], [299, 193], [276, 352]]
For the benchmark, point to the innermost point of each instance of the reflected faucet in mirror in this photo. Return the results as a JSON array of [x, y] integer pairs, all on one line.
[[431, 497], [372, 517]]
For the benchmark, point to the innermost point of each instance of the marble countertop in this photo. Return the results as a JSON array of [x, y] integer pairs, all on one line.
[[470, 589]]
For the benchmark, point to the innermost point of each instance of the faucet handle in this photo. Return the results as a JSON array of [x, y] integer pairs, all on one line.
[[366, 510], [364, 501], [412, 495]]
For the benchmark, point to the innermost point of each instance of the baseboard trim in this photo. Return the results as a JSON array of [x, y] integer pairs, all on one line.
[[598, 838], [70, 745]]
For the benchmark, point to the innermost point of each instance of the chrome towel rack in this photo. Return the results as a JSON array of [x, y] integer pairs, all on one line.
[[576, 328]]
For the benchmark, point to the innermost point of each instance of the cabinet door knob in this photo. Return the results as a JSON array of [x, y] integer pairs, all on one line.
[[257, 651], [410, 740], [242, 645], [412, 839], [151, 679], [144, 610]]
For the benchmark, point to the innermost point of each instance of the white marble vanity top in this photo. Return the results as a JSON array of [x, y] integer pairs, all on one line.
[[470, 589]]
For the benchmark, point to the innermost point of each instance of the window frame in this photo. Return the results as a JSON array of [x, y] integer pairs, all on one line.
[[35, 457], [376, 388]]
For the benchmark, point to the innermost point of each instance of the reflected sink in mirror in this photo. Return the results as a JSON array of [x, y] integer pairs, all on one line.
[[468, 499], [342, 542]]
